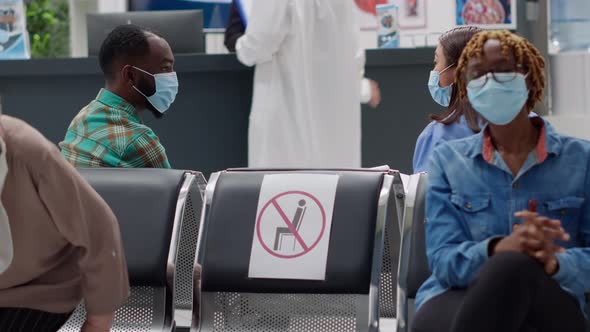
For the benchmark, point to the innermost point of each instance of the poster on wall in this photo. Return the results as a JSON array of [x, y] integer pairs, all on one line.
[[388, 33], [14, 38], [367, 12], [489, 14], [412, 13]]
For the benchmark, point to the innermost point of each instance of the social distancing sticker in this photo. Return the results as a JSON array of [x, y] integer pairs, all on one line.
[[293, 226]]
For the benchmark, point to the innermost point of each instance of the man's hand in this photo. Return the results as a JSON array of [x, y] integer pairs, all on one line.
[[375, 94], [98, 323]]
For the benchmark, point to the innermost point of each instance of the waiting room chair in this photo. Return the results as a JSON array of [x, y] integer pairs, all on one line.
[[413, 263], [153, 208], [226, 300]]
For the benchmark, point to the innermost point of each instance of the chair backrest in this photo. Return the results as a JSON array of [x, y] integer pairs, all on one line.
[[413, 263], [148, 204], [347, 300]]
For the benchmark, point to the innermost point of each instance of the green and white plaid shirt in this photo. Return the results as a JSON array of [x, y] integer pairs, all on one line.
[[109, 133]]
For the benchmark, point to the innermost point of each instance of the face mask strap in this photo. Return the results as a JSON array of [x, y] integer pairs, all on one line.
[[136, 89], [141, 70], [451, 65]]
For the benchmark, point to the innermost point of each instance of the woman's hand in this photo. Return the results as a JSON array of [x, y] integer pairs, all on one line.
[[548, 230], [535, 237]]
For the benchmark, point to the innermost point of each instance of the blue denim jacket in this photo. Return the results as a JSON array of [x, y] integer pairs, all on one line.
[[437, 133], [472, 197]]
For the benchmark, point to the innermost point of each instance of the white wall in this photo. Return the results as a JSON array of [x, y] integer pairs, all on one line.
[[570, 76], [78, 11], [573, 125], [111, 6]]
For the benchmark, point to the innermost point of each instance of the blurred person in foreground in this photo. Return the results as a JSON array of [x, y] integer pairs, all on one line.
[[65, 244]]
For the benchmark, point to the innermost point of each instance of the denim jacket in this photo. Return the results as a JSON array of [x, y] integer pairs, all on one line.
[[472, 197]]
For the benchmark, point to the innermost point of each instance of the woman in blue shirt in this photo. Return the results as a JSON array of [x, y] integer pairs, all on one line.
[[459, 120], [497, 265]]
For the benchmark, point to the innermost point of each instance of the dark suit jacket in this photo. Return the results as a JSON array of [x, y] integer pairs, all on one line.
[[235, 27]]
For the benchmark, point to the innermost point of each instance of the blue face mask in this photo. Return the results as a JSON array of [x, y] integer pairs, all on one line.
[[440, 95], [166, 90], [499, 100]]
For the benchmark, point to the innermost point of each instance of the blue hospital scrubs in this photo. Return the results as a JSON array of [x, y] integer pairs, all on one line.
[[434, 134]]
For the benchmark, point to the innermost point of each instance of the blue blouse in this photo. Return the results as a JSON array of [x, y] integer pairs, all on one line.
[[434, 134]]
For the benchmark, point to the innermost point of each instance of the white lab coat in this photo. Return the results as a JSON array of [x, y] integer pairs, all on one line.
[[307, 85]]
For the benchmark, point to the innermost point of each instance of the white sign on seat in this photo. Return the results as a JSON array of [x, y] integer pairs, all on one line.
[[291, 236]]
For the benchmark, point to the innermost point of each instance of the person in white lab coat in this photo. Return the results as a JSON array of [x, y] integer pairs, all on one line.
[[308, 83]]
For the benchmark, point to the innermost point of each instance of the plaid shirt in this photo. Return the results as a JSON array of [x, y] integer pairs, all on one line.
[[109, 133]]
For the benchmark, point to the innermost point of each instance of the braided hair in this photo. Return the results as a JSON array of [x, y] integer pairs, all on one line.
[[526, 54]]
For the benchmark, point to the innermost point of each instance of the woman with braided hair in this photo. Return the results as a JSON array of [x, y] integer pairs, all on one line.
[[508, 209]]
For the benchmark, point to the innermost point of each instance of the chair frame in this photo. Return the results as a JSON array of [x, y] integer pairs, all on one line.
[[389, 178], [190, 178], [403, 302], [393, 239]]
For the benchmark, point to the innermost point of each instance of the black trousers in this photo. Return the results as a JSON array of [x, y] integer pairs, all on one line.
[[512, 293], [28, 320]]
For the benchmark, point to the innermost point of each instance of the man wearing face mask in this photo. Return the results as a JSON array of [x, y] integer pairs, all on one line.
[[138, 70]]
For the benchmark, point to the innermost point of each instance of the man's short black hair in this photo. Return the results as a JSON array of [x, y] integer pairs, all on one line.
[[124, 41]]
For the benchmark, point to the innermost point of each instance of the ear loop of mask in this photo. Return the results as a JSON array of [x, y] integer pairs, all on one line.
[[141, 70], [446, 68], [136, 88]]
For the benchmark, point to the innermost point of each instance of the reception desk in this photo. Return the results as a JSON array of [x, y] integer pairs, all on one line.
[[207, 127]]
